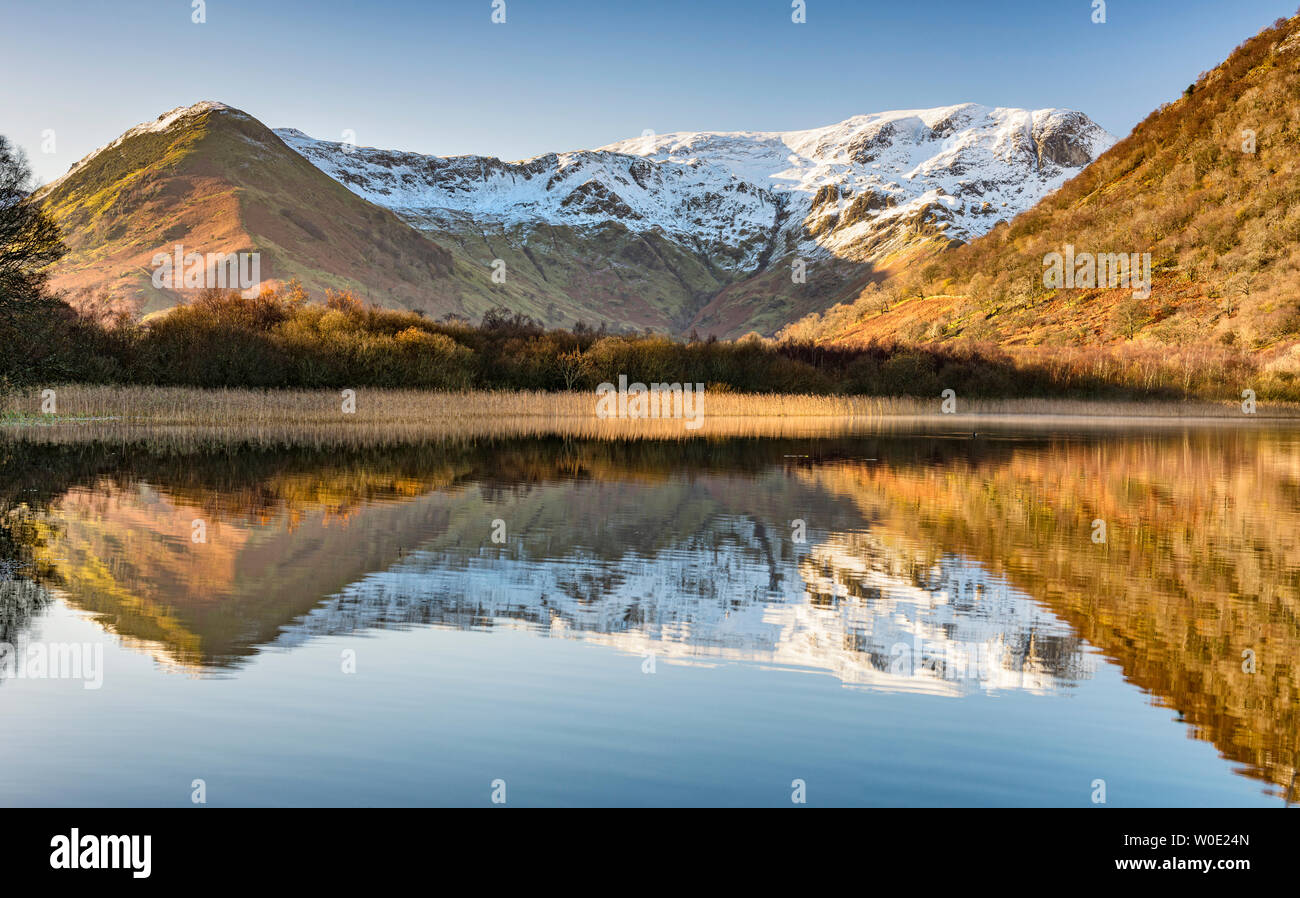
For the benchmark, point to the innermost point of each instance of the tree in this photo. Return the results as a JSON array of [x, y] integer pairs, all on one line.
[[29, 244], [1132, 315], [573, 365], [29, 237], [1238, 286]]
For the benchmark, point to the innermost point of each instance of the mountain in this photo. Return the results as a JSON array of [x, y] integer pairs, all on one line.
[[1208, 185], [699, 230], [214, 179], [677, 232], [866, 187]]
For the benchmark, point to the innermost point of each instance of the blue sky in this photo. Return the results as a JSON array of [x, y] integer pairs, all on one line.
[[440, 77]]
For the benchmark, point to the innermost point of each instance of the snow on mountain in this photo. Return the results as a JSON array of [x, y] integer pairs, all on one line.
[[856, 189], [838, 606], [691, 200], [958, 169]]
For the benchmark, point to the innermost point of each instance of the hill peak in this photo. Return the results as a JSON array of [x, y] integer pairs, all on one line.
[[164, 122]]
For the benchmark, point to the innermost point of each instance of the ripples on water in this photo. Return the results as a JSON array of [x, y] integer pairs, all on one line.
[[916, 567]]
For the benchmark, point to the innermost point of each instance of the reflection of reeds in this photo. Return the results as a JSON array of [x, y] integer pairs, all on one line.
[[189, 416]]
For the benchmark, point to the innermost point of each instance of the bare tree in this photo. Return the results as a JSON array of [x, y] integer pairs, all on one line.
[[29, 244], [29, 237]]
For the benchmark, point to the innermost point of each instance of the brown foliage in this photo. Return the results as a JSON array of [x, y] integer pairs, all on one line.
[[1209, 184]]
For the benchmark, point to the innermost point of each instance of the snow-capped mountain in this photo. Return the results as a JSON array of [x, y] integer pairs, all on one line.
[[693, 231], [955, 169], [691, 200], [853, 190]]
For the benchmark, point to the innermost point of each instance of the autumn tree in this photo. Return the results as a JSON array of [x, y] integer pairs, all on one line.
[[573, 365], [1131, 316]]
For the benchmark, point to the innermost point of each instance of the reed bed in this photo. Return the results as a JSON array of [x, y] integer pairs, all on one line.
[[389, 416]]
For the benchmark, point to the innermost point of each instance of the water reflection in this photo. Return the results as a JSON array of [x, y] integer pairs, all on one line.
[[930, 565], [836, 604]]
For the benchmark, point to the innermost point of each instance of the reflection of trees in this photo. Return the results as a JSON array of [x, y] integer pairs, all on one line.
[[21, 601], [22, 593], [248, 480]]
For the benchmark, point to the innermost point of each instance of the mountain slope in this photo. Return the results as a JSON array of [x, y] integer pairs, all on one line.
[[1209, 185], [722, 217], [213, 179]]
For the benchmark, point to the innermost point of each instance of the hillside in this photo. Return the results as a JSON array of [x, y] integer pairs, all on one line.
[[213, 179], [700, 230], [1208, 184]]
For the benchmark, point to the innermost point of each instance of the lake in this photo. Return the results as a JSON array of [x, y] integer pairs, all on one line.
[[1023, 616]]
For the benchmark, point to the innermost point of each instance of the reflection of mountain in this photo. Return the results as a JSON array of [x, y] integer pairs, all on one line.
[[681, 567], [126, 554], [948, 621], [833, 605], [285, 531], [684, 549]]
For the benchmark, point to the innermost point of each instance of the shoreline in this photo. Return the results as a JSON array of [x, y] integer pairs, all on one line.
[[385, 416]]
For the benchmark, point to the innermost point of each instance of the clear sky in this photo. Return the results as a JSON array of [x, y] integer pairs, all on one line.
[[437, 76]]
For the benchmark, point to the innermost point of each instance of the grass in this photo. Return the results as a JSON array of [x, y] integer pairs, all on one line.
[[388, 416]]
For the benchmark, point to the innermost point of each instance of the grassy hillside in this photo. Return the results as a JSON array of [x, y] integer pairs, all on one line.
[[1208, 184], [219, 181]]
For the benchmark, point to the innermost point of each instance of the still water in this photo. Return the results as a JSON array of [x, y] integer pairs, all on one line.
[[1010, 619]]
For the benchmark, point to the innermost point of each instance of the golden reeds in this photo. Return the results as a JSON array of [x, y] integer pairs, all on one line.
[[386, 416]]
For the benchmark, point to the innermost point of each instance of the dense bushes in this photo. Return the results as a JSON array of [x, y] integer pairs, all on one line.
[[279, 339]]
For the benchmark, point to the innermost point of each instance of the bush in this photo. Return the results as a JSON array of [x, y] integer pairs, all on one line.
[[278, 339]]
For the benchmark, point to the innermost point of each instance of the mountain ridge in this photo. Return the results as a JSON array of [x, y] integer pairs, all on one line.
[[1207, 187], [678, 232]]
